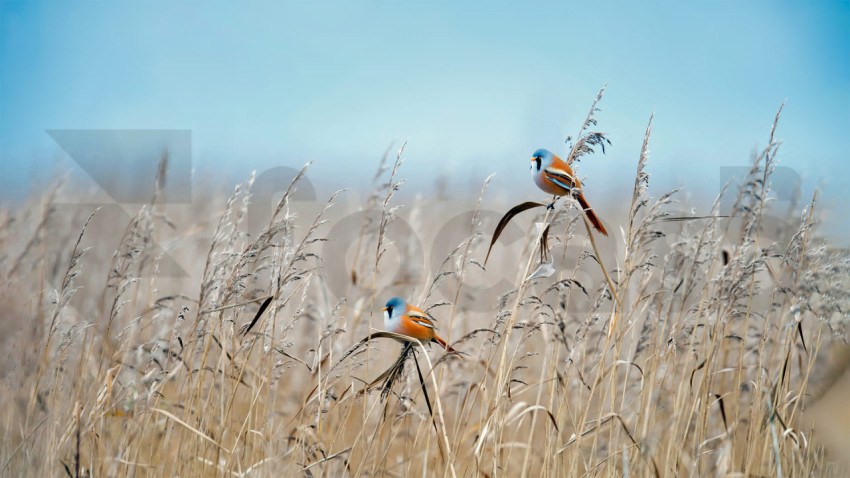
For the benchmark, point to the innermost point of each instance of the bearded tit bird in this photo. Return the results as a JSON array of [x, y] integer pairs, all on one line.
[[554, 176], [405, 319]]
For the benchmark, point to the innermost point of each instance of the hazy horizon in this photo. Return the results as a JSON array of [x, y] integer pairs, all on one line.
[[474, 88]]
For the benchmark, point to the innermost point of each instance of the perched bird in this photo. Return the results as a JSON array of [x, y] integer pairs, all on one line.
[[554, 176], [405, 319]]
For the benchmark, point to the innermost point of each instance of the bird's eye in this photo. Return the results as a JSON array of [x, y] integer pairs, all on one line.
[[390, 310]]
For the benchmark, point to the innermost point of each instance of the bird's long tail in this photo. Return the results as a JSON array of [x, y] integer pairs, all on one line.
[[591, 216], [444, 345]]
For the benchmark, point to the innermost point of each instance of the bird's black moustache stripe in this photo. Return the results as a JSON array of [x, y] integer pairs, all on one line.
[[539, 163]]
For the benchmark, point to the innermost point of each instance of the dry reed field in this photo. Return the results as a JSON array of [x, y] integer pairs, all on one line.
[[703, 346]]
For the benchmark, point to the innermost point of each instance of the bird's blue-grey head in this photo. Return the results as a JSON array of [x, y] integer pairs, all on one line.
[[542, 158], [396, 303]]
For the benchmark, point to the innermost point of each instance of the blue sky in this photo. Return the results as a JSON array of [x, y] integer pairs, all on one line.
[[474, 87]]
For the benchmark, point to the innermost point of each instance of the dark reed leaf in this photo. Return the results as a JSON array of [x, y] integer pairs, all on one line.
[[424, 390], [722, 410], [259, 313], [802, 339], [544, 243], [503, 223]]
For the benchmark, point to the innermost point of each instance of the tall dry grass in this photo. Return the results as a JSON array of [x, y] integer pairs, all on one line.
[[703, 352]]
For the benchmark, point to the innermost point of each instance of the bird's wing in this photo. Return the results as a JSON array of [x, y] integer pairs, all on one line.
[[560, 177], [420, 318]]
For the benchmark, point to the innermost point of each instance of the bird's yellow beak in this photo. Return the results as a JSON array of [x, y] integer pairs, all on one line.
[[534, 159], [384, 309]]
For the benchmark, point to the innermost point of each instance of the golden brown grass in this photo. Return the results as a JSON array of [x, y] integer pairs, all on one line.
[[702, 354]]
